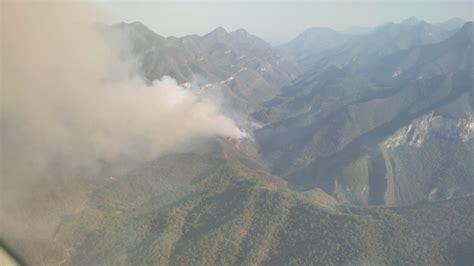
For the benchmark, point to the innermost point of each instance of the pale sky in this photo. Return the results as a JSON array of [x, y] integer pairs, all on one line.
[[277, 22]]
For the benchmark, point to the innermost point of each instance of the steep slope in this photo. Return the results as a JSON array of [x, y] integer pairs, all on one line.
[[327, 132], [324, 47], [397, 131], [235, 215], [361, 51], [308, 45], [451, 24], [342, 71], [247, 69], [210, 188]]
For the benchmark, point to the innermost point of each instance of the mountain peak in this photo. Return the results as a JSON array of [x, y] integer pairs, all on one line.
[[467, 28], [241, 32], [454, 20], [318, 30], [451, 24], [218, 30], [135, 25], [134, 30], [410, 21], [218, 34]]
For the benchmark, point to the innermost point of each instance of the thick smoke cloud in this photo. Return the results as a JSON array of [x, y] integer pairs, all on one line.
[[67, 103], [64, 94]]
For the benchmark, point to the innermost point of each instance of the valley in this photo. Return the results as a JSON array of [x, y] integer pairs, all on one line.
[[349, 148]]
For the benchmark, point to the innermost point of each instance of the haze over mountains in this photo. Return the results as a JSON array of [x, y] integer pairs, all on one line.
[[360, 49], [358, 149], [340, 121]]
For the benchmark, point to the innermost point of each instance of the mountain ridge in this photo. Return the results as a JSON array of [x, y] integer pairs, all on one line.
[[244, 66], [339, 128], [359, 152]]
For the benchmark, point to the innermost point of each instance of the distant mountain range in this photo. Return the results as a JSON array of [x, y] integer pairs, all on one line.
[[342, 49], [336, 128]]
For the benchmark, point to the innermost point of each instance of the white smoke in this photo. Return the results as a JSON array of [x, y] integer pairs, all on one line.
[[65, 95], [68, 104]]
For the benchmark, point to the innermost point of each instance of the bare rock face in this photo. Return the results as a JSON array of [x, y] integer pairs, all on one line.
[[434, 154], [417, 132]]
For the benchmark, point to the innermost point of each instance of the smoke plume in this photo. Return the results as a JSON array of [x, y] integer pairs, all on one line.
[[68, 103], [65, 95]]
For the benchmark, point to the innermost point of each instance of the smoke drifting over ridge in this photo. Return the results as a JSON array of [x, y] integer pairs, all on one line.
[[67, 102]]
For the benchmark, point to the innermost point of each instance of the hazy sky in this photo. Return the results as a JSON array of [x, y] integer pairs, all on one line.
[[277, 21]]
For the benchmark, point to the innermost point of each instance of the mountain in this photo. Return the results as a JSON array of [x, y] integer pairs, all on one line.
[[397, 132], [411, 21], [323, 47], [311, 43], [363, 157], [353, 60], [207, 208], [362, 50], [451, 24], [247, 69]]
